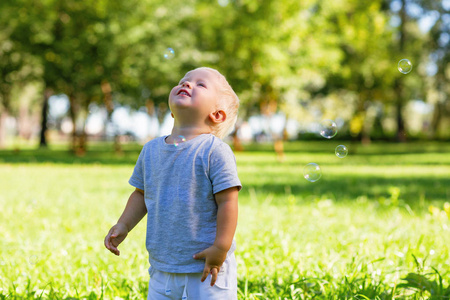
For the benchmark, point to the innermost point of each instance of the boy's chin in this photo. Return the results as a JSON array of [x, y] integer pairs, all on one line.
[[182, 110], [181, 102]]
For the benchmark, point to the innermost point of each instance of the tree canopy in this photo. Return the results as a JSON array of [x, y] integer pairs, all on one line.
[[279, 55]]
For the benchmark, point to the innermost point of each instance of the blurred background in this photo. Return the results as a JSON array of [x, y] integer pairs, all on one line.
[[76, 72]]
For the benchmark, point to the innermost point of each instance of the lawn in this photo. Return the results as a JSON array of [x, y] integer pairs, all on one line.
[[375, 226]]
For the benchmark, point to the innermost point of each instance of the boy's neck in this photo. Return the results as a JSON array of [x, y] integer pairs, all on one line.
[[187, 132]]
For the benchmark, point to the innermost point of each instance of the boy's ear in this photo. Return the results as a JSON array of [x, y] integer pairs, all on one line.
[[218, 116]]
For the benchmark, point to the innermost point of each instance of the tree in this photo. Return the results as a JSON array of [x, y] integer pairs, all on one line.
[[74, 42], [264, 49], [367, 70], [286, 55], [410, 42], [439, 44], [17, 65]]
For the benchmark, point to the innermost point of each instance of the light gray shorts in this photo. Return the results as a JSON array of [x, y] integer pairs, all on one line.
[[187, 286]]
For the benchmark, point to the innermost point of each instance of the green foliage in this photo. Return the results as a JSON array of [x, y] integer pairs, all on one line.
[[297, 56], [423, 285]]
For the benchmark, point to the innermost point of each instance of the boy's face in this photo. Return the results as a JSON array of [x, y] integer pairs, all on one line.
[[195, 96]]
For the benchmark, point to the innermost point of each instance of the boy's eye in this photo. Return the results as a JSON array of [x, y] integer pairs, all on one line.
[[201, 84]]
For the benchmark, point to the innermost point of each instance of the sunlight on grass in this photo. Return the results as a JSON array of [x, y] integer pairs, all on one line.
[[360, 230]]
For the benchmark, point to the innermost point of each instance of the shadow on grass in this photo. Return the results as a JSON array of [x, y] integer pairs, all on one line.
[[411, 191], [356, 147], [94, 156], [102, 153]]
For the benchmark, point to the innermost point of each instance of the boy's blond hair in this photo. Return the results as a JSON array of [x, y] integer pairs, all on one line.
[[228, 102]]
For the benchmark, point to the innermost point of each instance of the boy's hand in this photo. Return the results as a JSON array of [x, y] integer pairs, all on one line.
[[115, 236], [214, 258]]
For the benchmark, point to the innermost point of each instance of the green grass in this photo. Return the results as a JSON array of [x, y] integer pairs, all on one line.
[[375, 226]]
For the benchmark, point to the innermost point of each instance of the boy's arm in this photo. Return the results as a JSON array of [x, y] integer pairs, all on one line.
[[227, 215], [134, 211]]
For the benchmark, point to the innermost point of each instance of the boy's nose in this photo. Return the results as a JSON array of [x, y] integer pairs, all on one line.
[[186, 84]]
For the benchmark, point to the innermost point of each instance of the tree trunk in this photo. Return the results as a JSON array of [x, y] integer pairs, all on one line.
[[401, 131], [82, 143], [79, 137], [4, 113], [44, 117], [3, 116], [107, 100], [73, 112], [436, 120], [237, 145]]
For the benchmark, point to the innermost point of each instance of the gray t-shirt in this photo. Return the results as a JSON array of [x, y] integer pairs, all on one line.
[[179, 184]]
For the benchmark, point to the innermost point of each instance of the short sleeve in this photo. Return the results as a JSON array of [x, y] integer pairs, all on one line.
[[222, 169], [137, 178]]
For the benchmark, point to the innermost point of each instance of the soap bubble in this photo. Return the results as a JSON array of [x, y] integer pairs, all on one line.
[[312, 172], [223, 3], [169, 53], [404, 66], [328, 129], [178, 140], [341, 151]]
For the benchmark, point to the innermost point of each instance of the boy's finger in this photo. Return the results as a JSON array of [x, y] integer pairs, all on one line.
[[214, 273], [205, 274], [107, 241], [199, 255], [114, 234], [115, 250], [110, 246]]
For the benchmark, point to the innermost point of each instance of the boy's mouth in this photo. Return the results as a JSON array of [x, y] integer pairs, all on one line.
[[183, 92]]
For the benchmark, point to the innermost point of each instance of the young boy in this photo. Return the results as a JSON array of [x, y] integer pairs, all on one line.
[[189, 191]]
